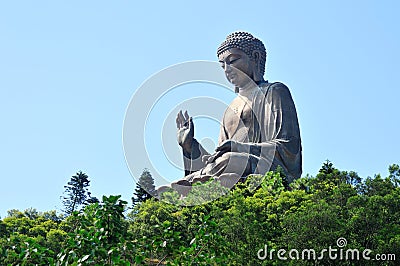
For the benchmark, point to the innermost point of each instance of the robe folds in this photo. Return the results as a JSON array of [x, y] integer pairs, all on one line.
[[271, 138]]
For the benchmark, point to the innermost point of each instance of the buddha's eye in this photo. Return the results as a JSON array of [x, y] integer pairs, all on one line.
[[233, 60]]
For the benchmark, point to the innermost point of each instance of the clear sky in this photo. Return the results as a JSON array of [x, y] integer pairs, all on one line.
[[69, 68]]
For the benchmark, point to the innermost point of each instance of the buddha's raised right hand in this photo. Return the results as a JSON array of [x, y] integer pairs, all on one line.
[[185, 134]]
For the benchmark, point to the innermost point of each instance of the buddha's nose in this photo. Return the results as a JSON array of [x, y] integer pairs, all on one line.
[[228, 68]]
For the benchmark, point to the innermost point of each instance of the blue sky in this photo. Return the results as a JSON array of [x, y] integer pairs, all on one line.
[[69, 68]]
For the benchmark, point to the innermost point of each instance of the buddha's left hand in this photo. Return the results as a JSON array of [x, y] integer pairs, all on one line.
[[226, 146]]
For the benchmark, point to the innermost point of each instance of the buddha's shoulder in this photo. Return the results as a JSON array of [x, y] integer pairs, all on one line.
[[274, 87]]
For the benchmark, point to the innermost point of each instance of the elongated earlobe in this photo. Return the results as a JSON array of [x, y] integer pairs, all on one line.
[[257, 66]]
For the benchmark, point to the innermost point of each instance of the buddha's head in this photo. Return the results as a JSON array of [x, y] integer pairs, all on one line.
[[242, 56]]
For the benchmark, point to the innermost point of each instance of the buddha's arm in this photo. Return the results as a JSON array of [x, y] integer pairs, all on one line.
[[249, 148], [253, 148], [192, 160]]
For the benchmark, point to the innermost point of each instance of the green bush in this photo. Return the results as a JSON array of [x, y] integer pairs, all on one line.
[[311, 213]]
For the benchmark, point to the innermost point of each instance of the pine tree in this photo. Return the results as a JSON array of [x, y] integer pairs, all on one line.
[[77, 192], [144, 188], [91, 199]]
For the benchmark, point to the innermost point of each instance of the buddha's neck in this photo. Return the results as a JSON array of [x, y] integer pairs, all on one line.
[[248, 90]]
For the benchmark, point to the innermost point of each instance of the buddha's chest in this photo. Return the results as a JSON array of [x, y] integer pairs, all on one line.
[[238, 118]]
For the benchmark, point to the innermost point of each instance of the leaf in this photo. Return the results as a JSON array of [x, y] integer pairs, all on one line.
[[139, 259], [85, 258], [166, 223], [192, 241]]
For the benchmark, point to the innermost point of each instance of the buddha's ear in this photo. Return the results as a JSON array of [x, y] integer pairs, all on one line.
[[256, 55], [257, 63]]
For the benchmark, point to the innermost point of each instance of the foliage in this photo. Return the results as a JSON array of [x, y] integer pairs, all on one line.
[[144, 188], [77, 193], [311, 213], [98, 235], [28, 238]]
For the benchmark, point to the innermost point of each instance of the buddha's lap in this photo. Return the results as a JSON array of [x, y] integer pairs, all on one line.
[[230, 162]]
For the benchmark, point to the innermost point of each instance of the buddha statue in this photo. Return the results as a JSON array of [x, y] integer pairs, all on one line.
[[259, 130]]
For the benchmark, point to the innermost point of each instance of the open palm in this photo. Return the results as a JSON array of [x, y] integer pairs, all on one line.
[[185, 133]]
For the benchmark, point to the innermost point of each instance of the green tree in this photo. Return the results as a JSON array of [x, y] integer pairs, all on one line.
[[98, 236], [31, 213], [77, 192], [144, 188], [26, 239], [394, 174], [310, 214], [15, 213], [3, 229]]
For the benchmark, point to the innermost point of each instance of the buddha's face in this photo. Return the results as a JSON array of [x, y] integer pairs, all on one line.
[[238, 67]]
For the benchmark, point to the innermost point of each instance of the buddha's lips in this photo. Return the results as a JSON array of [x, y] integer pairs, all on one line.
[[232, 76]]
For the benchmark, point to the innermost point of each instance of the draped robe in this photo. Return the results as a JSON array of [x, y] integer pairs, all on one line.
[[267, 134]]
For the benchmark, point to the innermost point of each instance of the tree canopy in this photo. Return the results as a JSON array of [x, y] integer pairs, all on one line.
[[77, 193], [144, 188], [313, 213]]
